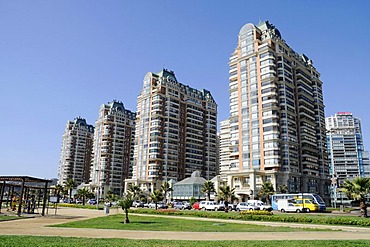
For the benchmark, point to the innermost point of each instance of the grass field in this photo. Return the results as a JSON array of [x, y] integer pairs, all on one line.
[[30, 241], [5, 217], [150, 223]]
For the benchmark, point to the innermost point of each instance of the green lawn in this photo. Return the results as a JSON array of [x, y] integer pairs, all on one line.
[[30, 241], [5, 218], [150, 223]]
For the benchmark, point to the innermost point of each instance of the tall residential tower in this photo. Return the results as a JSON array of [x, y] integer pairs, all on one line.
[[176, 132], [345, 146], [75, 155], [277, 122], [112, 150]]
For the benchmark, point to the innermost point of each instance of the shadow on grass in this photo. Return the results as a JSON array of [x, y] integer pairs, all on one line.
[[140, 222]]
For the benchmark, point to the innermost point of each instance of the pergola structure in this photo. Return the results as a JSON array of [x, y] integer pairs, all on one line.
[[25, 183]]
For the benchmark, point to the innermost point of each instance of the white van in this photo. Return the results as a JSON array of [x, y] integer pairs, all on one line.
[[286, 205]]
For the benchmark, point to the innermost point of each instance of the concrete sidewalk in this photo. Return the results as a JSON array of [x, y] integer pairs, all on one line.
[[37, 226]]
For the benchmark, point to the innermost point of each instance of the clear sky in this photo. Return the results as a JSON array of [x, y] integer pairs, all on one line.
[[63, 59]]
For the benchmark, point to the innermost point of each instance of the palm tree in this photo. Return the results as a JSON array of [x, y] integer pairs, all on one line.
[[266, 191], [70, 185], [358, 188], [165, 187], [65, 192], [83, 193], [110, 197], [156, 197], [208, 187], [58, 190], [135, 191], [283, 188], [226, 194], [125, 203]]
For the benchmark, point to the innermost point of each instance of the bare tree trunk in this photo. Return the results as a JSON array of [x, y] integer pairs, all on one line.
[[126, 219], [363, 208]]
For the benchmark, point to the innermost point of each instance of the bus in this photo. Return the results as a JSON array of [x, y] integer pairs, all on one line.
[[313, 197]]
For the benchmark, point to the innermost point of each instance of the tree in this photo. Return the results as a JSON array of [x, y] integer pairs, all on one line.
[[135, 191], [83, 193], [266, 191], [165, 187], [156, 197], [226, 194], [125, 203], [283, 188], [110, 197], [192, 200], [58, 190], [208, 187], [70, 185], [65, 192], [358, 188]]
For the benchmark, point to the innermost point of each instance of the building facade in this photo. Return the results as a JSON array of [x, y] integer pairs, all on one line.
[[190, 187], [176, 132], [347, 158], [75, 155], [113, 148], [276, 128]]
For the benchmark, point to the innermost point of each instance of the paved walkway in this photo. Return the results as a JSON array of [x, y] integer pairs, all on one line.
[[37, 226]]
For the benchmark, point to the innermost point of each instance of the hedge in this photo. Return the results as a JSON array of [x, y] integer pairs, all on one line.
[[253, 216]]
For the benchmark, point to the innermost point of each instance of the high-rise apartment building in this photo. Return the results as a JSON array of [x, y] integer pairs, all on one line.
[[366, 163], [277, 122], [345, 146], [112, 149], [175, 132], [225, 147], [75, 155]]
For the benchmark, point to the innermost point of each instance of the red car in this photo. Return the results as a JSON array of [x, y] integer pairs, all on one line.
[[196, 206]]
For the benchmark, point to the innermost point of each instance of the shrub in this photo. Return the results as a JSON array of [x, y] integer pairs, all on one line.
[[265, 216], [256, 212]]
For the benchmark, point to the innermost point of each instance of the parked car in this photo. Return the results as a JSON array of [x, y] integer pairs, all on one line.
[[223, 206], [178, 205], [78, 201], [160, 205], [196, 206], [211, 205], [260, 204], [232, 207], [151, 205], [66, 200], [137, 204], [92, 201], [242, 206], [187, 205]]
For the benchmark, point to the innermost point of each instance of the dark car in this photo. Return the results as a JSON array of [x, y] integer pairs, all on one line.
[[92, 201], [187, 205], [232, 207]]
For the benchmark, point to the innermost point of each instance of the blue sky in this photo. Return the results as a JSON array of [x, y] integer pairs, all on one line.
[[63, 59]]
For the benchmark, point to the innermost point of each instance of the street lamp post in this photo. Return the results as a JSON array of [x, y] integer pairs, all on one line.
[[334, 181]]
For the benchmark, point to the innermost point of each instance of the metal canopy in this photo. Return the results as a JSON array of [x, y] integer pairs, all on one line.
[[23, 180]]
